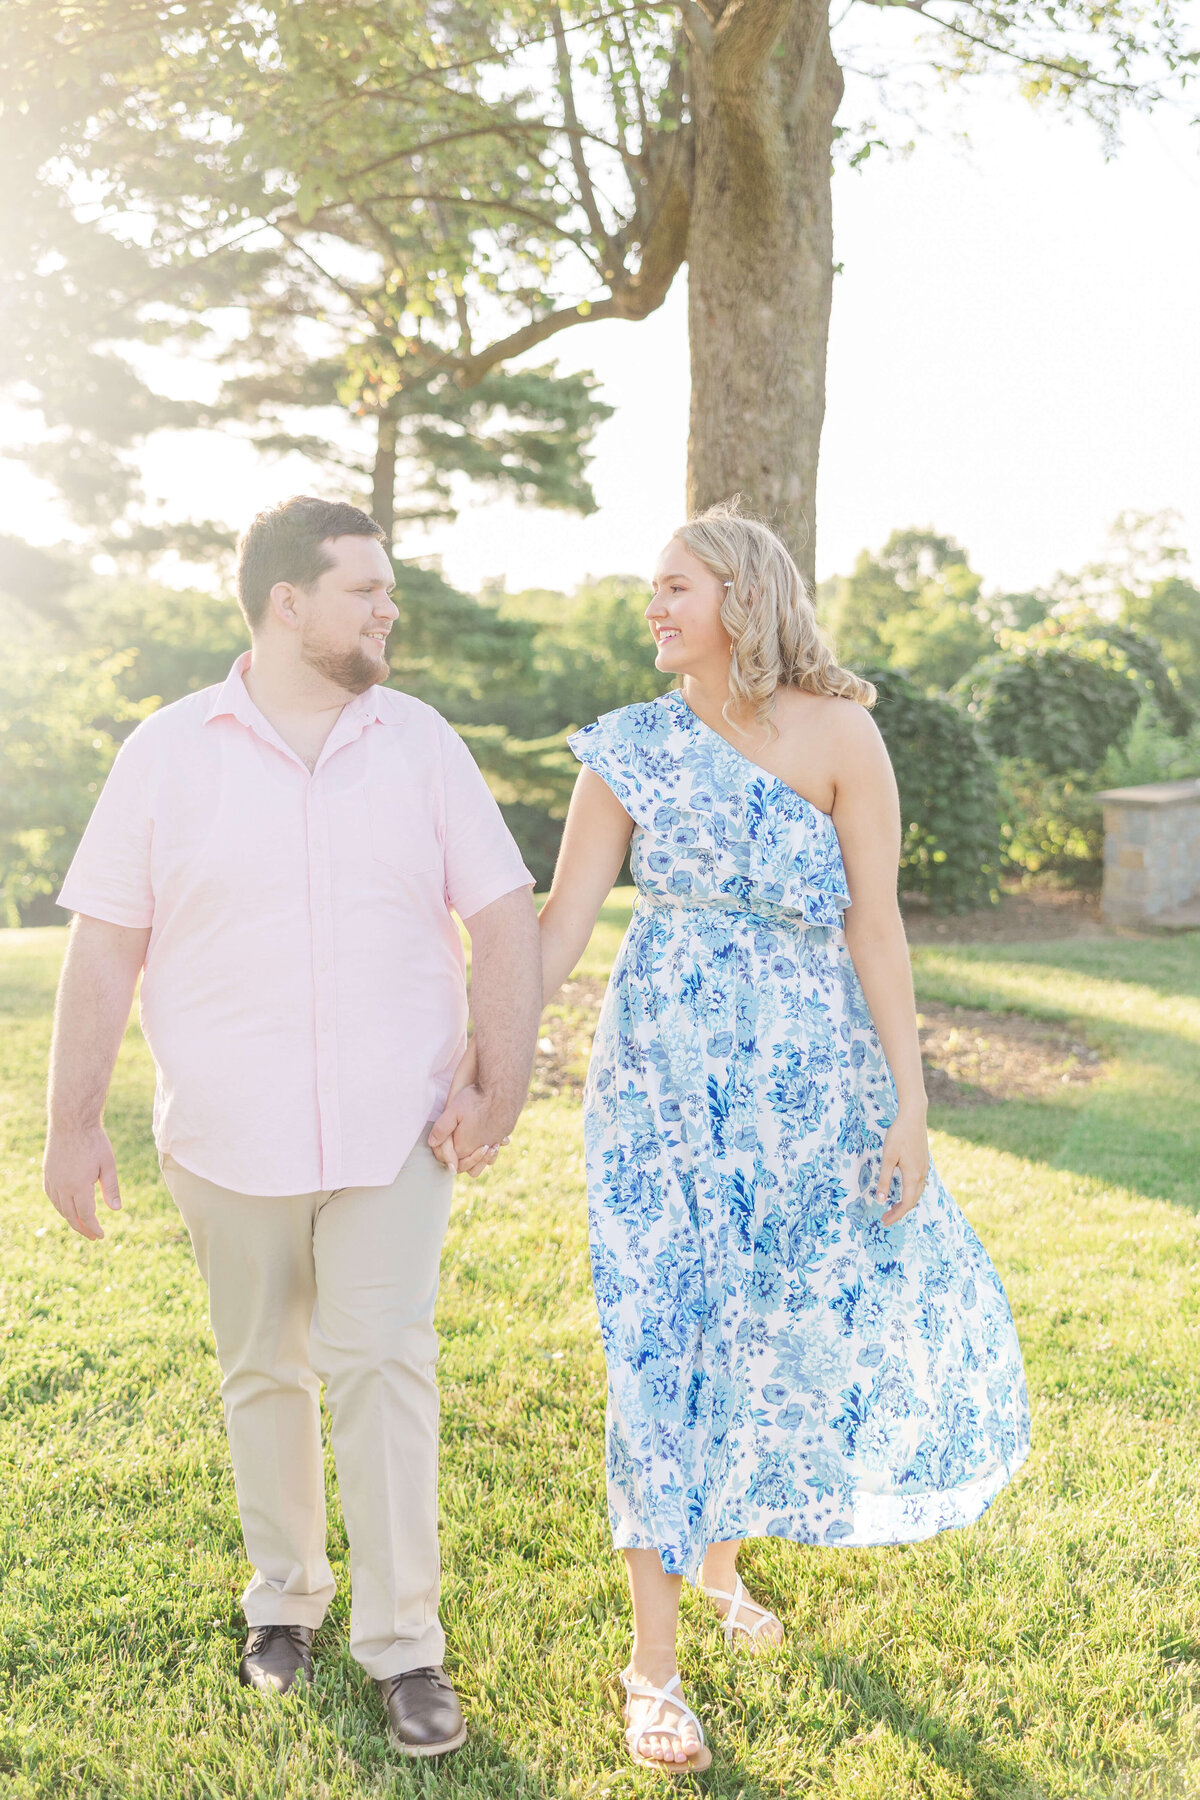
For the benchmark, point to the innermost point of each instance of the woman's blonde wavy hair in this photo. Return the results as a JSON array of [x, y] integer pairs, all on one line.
[[768, 614]]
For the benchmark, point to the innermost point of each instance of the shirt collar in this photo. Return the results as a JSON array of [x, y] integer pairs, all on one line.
[[231, 698]]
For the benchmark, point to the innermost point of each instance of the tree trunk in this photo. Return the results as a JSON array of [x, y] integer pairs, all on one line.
[[383, 478], [764, 91]]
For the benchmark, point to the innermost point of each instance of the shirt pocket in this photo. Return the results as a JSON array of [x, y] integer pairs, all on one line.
[[403, 830]]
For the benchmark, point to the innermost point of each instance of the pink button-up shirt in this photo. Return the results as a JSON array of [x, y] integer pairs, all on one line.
[[304, 993]]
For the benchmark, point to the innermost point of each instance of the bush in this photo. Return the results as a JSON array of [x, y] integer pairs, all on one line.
[[61, 723], [1045, 705], [1050, 822], [1060, 707], [1055, 822], [950, 850], [1064, 694]]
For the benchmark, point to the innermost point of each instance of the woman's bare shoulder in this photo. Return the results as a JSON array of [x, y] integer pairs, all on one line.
[[836, 716]]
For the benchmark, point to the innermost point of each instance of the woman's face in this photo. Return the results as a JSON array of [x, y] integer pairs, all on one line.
[[685, 615]]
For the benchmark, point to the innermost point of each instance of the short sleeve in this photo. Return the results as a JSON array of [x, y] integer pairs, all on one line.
[[483, 862], [109, 876], [616, 749]]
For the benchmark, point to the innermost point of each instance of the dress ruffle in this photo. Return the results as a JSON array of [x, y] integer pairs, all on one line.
[[766, 845]]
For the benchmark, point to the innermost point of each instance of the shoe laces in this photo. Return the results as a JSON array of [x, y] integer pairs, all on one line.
[[263, 1634], [435, 1677]]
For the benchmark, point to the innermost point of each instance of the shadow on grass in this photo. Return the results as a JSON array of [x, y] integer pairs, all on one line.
[[1134, 1128], [1115, 1146], [1169, 966], [876, 1709]]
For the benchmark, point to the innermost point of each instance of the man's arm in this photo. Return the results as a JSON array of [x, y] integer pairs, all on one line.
[[506, 1003], [95, 993], [595, 839]]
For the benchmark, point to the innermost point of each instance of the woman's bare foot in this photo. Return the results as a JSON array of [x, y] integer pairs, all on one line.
[[678, 1748]]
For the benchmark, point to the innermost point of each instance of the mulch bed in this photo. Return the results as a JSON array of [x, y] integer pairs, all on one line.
[[973, 1058], [1036, 911]]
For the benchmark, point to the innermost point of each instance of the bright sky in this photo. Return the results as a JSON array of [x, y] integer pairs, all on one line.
[[1013, 361]]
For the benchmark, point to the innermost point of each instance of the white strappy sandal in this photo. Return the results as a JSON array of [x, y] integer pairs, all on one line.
[[655, 1726], [733, 1622]]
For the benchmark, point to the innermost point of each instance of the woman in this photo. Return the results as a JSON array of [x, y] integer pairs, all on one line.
[[804, 1337]]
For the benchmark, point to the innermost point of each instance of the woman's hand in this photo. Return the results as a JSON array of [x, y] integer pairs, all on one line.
[[442, 1134], [905, 1147]]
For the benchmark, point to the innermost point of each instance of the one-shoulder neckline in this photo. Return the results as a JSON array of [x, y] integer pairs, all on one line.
[[678, 695]]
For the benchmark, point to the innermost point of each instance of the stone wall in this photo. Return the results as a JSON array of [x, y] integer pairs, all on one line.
[[1152, 855]]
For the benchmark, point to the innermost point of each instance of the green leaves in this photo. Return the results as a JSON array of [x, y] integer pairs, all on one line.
[[357, 180], [950, 850], [1065, 693], [1058, 706], [915, 606]]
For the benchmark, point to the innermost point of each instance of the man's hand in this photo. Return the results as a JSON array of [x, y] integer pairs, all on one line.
[[95, 992], [73, 1164], [442, 1140], [468, 1135], [486, 1095]]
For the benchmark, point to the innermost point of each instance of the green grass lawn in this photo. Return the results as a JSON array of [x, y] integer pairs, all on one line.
[[1053, 1649]]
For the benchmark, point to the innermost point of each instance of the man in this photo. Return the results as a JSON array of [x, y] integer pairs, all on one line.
[[280, 856]]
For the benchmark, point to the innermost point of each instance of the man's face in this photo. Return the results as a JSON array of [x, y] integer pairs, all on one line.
[[345, 617]]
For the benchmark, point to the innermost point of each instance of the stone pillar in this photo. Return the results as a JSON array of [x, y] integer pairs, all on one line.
[[1152, 855]]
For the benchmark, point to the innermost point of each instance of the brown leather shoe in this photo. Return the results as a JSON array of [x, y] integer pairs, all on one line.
[[275, 1656], [423, 1714]]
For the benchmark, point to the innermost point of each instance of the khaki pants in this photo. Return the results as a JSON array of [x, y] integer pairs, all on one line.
[[336, 1287]]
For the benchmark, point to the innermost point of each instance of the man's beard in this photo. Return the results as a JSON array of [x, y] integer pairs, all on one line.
[[353, 670]]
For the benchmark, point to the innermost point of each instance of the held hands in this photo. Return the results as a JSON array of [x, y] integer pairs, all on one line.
[[465, 1137], [905, 1147], [73, 1164]]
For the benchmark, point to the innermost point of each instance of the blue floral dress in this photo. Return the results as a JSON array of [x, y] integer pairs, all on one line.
[[780, 1363]]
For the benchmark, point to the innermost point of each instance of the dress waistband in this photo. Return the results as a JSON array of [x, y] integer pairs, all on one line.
[[761, 912]]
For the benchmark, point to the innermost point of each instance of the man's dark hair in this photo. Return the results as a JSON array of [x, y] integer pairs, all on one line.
[[290, 542]]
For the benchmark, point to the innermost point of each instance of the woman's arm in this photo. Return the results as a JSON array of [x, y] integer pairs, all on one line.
[[594, 841], [866, 814]]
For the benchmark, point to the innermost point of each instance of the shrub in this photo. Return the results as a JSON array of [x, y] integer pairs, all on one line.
[[1055, 822], [1060, 706], [1064, 694], [950, 850], [61, 723]]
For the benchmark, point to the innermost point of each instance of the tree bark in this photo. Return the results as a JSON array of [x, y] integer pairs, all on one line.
[[383, 478], [764, 92]]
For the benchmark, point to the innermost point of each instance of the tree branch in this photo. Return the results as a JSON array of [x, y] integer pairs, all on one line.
[[543, 37], [1082, 73], [617, 93], [348, 293], [472, 369], [493, 129], [484, 202], [638, 91], [587, 196], [745, 36], [698, 25]]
